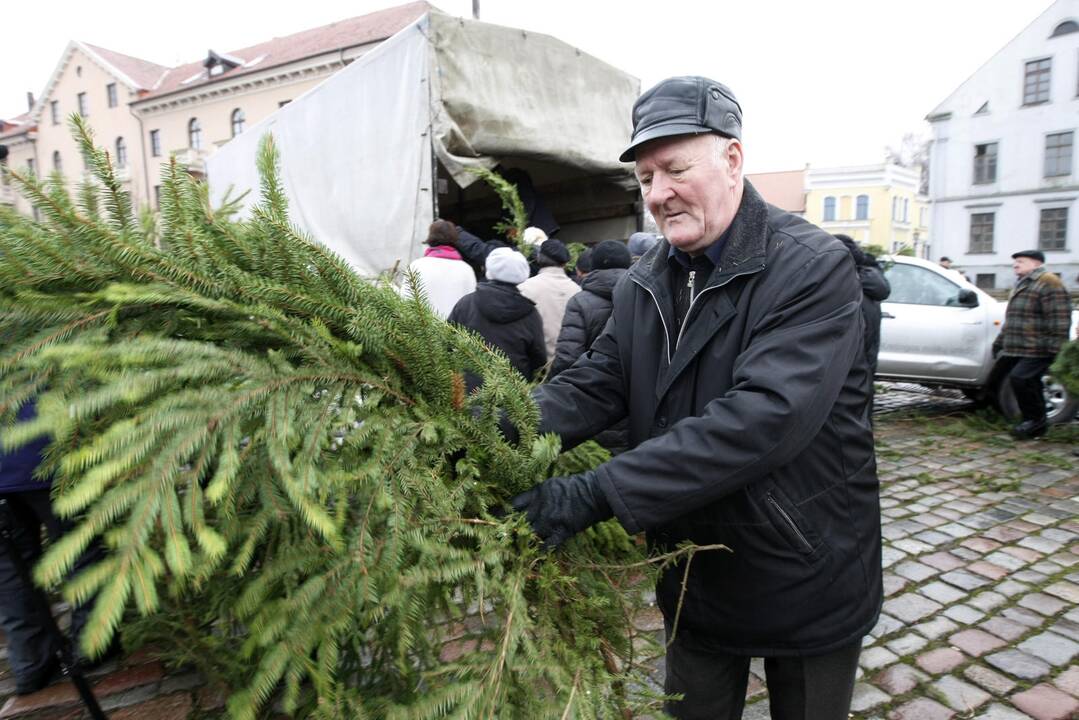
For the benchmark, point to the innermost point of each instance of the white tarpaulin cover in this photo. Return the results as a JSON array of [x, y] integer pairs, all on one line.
[[356, 151]]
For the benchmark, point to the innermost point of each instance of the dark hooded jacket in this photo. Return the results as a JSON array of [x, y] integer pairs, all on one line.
[[875, 290], [586, 314], [749, 429], [507, 320]]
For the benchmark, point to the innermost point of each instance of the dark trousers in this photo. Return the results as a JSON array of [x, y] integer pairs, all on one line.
[[1025, 375], [799, 688], [31, 648]]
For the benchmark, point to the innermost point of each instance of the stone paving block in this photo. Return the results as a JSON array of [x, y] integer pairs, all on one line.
[[1006, 560], [987, 600], [989, 570], [943, 561], [893, 584], [966, 554], [866, 697], [912, 546], [1050, 647], [911, 607], [886, 625], [941, 660], [934, 538], [1067, 628], [1066, 559], [976, 642], [1024, 616], [906, 644], [1061, 536], [1039, 519], [757, 711], [1002, 712], [1041, 544], [875, 658], [956, 530], [1068, 681], [932, 520], [1019, 664], [989, 680], [914, 571], [1004, 534], [942, 592], [939, 627], [1066, 591], [1010, 588], [921, 709], [890, 556], [169, 707], [1045, 702], [959, 695], [1042, 603], [1022, 525], [1046, 567], [965, 580], [1025, 554], [952, 515], [964, 614], [981, 545], [899, 679]]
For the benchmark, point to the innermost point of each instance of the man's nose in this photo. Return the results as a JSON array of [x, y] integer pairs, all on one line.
[[661, 188]]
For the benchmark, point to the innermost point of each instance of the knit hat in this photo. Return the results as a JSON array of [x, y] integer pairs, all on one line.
[[610, 254], [508, 266], [584, 261], [534, 236], [555, 250], [641, 242]]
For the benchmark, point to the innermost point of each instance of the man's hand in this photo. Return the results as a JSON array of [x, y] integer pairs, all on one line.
[[560, 507]]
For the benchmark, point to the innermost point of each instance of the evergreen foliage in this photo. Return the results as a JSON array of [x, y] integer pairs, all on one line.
[[293, 485], [1065, 368], [512, 227]]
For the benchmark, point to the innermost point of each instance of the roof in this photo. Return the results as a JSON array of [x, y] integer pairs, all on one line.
[[16, 126], [784, 189], [142, 73], [348, 33]]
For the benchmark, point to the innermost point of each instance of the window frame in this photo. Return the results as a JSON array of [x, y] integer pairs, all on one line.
[[1061, 233], [1058, 160], [155, 142], [238, 118], [57, 162], [986, 162], [861, 207], [111, 95], [83, 104], [121, 152], [829, 208], [54, 111], [194, 134], [1042, 91], [976, 243]]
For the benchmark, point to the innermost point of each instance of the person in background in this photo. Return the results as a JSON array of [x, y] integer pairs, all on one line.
[[583, 266], [875, 290], [1036, 325], [640, 243], [503, 317], [31, 647], [443, 275], [551, 289], [587, 311]]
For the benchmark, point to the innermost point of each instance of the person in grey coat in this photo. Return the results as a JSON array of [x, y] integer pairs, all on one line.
[[735, 351]]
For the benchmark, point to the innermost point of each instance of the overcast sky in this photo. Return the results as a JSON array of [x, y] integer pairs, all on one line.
[[830, 82]]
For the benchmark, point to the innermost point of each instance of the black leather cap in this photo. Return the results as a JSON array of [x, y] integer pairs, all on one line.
[[1032, 254], [684, 106]]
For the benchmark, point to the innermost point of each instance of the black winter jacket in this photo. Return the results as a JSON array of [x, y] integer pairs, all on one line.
[[875, 289], [750, 429], [507, 320], [586, 314]]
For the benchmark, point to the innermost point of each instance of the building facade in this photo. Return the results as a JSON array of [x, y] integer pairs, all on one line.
[[145, 114], [876, 205], [1002, 172]]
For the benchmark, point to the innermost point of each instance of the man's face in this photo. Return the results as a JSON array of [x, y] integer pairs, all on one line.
[[1023, 265], [946, 264], [692, 193]]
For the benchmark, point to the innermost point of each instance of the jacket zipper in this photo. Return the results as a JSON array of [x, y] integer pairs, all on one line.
[[790, 522], [666, 334], [693, 299]]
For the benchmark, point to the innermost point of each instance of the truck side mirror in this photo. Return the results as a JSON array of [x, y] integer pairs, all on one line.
[[968, 298]]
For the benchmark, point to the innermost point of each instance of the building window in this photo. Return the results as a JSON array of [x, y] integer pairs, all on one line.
[[194, 134], [31, 167], [1036, 82], [981, 232], [895, 208], [121, 153], [283, 103], [1053, 229], [1065, 28], [985, 163], [985, 281], [237, 122], [155, 143], [906, 209], [84, 108], [54, 111], [861, 208], [1058, 154], [110, 92], [829, 209], [57, 164], [157, 197]]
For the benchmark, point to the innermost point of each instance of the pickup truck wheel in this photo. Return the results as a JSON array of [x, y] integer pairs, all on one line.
[[1060, 405]]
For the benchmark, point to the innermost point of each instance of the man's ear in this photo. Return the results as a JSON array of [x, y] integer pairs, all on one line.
[[735, 157]]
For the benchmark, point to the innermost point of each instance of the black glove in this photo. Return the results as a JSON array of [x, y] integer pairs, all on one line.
[[505, 425], [560, 507]]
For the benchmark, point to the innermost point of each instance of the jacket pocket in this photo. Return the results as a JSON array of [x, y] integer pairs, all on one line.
[[792, 527]]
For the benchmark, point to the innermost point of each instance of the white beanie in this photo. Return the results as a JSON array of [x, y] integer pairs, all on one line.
[[534, 236], [507, 265]]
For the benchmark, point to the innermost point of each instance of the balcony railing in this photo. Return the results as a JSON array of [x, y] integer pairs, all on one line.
[[192, 159]]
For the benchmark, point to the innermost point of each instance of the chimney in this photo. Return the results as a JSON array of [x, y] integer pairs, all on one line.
[[29, 101]]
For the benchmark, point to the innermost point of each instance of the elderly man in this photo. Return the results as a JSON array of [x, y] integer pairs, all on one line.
[[1036, 325], [735, 351]]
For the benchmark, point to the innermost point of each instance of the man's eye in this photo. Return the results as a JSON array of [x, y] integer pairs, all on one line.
[[645, 181]]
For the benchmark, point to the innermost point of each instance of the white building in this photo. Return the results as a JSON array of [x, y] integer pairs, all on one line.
[[1002, 169]]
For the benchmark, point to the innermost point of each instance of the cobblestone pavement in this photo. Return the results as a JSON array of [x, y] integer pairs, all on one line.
[[981, 556]]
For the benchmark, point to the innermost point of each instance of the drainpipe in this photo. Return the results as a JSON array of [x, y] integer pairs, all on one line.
[[145, 159]]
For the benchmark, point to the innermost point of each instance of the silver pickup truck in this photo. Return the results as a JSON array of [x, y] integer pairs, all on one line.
[[937, 330]]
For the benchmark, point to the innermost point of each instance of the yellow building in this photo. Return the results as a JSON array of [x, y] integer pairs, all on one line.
[[144, 114], [874, 204]]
